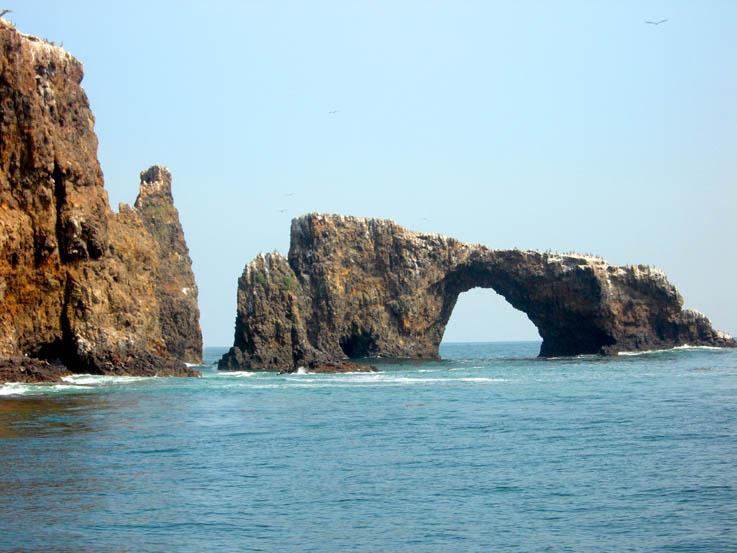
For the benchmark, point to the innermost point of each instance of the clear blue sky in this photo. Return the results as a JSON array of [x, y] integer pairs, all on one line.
[[563, 125]]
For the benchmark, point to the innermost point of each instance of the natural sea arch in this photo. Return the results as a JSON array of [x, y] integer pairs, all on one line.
[[355, 287]]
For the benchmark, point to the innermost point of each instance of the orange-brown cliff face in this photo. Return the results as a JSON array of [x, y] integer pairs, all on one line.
[[79, 284]]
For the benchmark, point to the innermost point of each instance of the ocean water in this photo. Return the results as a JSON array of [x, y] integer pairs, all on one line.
[[490, 449]]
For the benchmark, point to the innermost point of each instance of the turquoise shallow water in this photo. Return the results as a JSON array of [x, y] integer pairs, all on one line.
[[488, 450]]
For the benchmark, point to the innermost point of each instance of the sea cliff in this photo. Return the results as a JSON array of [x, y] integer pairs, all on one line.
[[82, 288]]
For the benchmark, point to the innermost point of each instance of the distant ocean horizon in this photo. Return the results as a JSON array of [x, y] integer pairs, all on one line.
[[489, 449]]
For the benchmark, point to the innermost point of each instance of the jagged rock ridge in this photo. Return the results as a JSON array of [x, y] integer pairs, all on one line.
[[78, 283], [354, 287]]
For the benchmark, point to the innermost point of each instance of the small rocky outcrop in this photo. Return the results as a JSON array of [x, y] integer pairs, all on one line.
[[31, 371], [354, 287], [334, 367], [80, 285]]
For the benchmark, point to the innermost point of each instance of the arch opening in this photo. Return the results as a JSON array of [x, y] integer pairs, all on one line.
[[482, 315]]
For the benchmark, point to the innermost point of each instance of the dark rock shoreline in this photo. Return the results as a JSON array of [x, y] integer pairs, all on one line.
[[354, 287], [31, 371]]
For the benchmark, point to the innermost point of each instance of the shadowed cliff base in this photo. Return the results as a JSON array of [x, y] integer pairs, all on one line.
[[81, 286], [354, 287]]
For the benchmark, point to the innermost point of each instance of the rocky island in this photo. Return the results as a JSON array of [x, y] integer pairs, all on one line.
[[82, 288], [353, 287]]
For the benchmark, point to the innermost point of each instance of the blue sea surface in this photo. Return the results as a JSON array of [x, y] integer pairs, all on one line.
[[491, 449]]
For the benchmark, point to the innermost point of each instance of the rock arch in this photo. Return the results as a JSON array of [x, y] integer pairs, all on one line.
[[562, 296], [365, 287]]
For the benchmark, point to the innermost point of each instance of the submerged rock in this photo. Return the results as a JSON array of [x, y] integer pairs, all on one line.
[[96, 290], [355, 287]]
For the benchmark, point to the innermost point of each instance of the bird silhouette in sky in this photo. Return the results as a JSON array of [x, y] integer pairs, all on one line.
[[3, 12], [656, 22], [282, 211], [333, 111]]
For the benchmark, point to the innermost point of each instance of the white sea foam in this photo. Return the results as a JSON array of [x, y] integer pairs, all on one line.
[[483, 379], [467, 368], [13, 389], [651, 351], [62, 387], [19, 389], [251, 386], [345, 380], [226, 374], [102, 380], [697, 347]]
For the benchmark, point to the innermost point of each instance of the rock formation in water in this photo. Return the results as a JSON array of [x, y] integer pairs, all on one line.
[[96, 290], [356, 287]]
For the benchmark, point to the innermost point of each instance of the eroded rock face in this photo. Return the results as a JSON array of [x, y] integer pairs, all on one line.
[[79, 284], [356, 287], [52, 202], [271, 331], [176, 289]]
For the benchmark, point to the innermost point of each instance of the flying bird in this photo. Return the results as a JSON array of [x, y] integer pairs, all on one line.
[[656, 22], [3, 12], [282, 211], [333, 111]]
